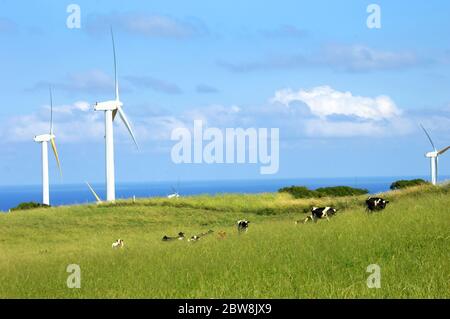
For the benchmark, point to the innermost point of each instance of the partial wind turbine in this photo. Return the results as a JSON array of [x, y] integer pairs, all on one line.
[[111, 108], [434, 158], [97, 198], [175, 192], [44, 139]]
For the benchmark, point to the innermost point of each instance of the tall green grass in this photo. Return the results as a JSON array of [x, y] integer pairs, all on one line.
[[275, 259]]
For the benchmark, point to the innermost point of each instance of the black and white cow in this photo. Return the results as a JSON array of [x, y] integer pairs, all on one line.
[[242, 225], [179, 237], [319, 213], [376, 203], [197, 237]]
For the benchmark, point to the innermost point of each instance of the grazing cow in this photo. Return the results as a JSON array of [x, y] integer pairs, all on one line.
[[319, 213], [376, 203], [117, 244], [179, 237], [242, 225]]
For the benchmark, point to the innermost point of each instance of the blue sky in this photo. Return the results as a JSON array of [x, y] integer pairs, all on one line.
[[347, 99]]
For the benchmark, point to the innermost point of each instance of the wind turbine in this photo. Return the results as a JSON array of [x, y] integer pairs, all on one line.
[[434, 158], [97, 198], [111, 108], [44, 139], [175, 193]]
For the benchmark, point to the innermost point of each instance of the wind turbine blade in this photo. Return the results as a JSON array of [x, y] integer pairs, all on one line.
[[116, 82], [114, 114], [127, 124], [55, 151], [428, 135], [51, 110], [97, 198], [442, 151]]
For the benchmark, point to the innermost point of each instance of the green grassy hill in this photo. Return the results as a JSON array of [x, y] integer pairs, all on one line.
[[410, 241]]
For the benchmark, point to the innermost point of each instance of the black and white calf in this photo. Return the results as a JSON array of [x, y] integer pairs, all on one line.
[[376, 203], [242, 225], [118, 243], [319, 213], [179, 237], [201, 235]]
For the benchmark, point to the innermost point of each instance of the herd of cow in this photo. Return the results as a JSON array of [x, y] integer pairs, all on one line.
[[372, 204]]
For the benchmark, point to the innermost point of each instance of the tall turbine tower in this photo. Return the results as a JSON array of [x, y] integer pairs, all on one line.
[[44, 139], [434, 158], [111, 108]]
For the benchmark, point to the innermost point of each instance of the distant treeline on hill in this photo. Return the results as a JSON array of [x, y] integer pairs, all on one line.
[[407, 183], [336, 191], [28, 205]]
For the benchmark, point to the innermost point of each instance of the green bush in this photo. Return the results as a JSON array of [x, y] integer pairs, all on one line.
[[336, 191], [28, 205], [299, 192], [408, 183]]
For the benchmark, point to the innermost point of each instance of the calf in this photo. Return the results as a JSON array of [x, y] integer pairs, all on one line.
[[242, 225], [194, 238], [222, 234], [117, 244], [197, 237], [376, 203], [179, 237], [319, 213]]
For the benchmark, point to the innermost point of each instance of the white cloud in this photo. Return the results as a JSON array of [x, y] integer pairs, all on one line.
[[324, 101], [334, 113], [71, 123]]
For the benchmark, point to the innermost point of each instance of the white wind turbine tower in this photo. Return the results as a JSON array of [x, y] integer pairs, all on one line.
[[434, 158], [44, 139], [111, 108]]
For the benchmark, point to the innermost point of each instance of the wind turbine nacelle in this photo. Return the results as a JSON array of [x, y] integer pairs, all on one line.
[[431, 154], [107, 106], [43, 138]]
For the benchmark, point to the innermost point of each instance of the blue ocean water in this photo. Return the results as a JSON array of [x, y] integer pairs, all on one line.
[[10, 196]]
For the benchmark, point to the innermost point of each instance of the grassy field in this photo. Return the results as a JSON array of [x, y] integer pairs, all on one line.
[[410, 241]]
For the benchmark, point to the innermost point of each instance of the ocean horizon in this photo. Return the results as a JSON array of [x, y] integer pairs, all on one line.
[[72, 194]]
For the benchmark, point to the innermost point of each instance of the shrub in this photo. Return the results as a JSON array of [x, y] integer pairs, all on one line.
[[299, 192], [28, 205], [408, 183], [336, 191]]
